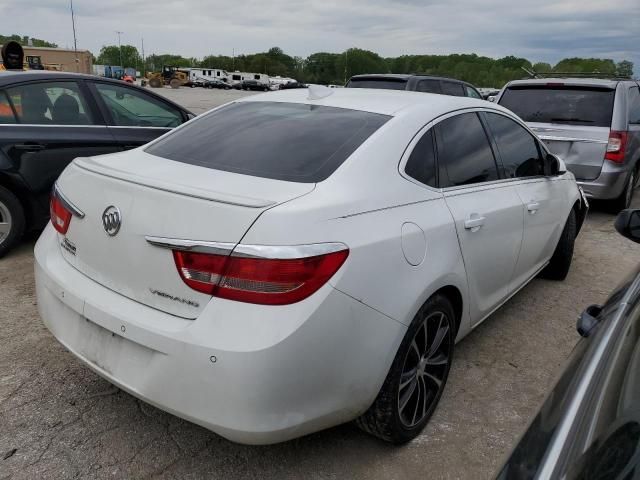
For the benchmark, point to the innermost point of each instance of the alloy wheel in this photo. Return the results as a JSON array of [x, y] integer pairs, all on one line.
[[5, 222], [425, 369]]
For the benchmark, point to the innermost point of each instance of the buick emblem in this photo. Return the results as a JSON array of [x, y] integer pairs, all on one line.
[[111, 220]]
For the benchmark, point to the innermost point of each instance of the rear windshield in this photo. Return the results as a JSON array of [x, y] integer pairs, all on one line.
[[565, 105], [283, 141], [384, 83]]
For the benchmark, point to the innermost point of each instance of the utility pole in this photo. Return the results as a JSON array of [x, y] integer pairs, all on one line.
[[346, 62], [233, 55], [120, 48], [75, 43], [143, 61]]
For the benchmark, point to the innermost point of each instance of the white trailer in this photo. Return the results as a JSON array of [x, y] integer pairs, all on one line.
[[196, 74], [237, 77]]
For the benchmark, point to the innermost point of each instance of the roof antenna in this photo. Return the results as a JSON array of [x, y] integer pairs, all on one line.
[[316, 92]]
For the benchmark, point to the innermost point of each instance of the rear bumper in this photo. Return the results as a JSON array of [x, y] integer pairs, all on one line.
[[251, 374], [609, 184]]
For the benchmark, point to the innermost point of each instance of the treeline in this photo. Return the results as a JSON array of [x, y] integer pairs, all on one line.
[[335, 68], [24, 41]]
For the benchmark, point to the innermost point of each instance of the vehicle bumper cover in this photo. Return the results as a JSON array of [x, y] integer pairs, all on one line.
[[252, 374], [609, 184]]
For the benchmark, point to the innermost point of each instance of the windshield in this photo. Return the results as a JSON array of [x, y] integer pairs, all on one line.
[[384, 83], [558, 104], [283, 141]]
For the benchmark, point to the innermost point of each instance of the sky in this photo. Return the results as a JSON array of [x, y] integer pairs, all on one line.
[[540, 30]]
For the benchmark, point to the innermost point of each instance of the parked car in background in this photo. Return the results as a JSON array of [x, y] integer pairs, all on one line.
[[592, 123], [292, 85], [254, 85], [589, 426], [49, 118], [415, 83], [211, 83], [334, 273]]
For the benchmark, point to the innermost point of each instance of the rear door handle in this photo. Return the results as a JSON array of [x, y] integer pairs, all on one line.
[[474, 222], [533, 206], [29, 147]]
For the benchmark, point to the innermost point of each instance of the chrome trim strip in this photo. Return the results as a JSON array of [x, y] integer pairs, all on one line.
[[287, 251], [66, 202], [281, 252], [571, 139], [217, 248]]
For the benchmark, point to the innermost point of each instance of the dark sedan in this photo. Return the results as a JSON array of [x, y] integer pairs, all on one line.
[[49, 118], [589, 426]]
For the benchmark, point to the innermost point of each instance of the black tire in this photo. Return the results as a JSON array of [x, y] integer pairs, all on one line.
[[386, 418], [624, 200], [11, 215], [560, 262]]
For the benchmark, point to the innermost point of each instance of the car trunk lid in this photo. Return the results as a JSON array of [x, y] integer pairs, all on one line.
[[159, 198]]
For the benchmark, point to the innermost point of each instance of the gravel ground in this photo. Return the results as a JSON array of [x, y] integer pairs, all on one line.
[[60, 420]]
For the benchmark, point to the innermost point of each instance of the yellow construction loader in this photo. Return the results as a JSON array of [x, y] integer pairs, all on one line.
[[172, 76]]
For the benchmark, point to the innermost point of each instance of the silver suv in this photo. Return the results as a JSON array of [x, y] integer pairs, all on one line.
[[592, 124]]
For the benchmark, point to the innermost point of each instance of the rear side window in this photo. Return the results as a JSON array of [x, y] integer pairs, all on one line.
[[518, 149], [472, 92], [558, 104], [429, 86], [6, 112], [384, 83], [422, 162], [464, 152], [452, 88], [634, 105], [282, 141]]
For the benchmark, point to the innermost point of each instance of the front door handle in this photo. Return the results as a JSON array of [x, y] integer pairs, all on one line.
[[533, 206], [474, 222], [29, 146]]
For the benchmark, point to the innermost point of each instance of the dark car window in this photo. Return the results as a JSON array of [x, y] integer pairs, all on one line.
[[429, 86], [132, 108], [452, 88], [634, 105], [472, 92], [465, 152], [559, 104], [518, 149], [282, 141], [50, 103], [385, 83], [6, 112], [422, 162]]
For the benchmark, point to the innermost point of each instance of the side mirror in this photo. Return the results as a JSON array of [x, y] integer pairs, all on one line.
[[491, 98], [557, 165], [191, 116], [628, 224]]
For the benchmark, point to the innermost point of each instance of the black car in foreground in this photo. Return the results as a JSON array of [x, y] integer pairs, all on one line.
[[415, 83], [589, 426], [49, 118]]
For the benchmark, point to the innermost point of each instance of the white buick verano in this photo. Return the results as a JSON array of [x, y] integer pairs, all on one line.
[[299, 259]]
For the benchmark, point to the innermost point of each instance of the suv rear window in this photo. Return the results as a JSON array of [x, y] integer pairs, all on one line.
[[385, 83], [283, 141], [567, 105]]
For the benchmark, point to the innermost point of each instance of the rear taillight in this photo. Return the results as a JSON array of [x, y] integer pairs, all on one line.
[[616, 146], [267, 281], [60, 216]]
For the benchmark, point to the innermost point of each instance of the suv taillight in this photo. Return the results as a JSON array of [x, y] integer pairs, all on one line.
[[60, 216], [616, 146], [266, 281]]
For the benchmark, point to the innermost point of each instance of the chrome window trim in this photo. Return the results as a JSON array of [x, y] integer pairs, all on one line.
[[571, 139], [66, 202], [281, 252]]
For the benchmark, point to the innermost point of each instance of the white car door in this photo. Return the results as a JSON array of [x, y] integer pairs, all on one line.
[[543, 196], [488, 212]]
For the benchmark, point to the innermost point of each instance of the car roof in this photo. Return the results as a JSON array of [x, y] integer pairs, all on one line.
[[8, 77], [384, 102], [572, 82], [406, 76]]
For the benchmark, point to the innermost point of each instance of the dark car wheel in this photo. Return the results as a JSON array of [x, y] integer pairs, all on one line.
[[417, 377], [11, 220], [560, 262], [624, 200]]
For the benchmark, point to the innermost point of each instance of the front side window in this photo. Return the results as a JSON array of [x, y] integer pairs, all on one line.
[[518, 149], [634, 105], [282, 141], [6, 112], [464, 152], [422, 162], [50, 103], [452, 88], [131, 108], [472, 92]]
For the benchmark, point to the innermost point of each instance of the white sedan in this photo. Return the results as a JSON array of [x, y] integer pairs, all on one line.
[[299, 259]]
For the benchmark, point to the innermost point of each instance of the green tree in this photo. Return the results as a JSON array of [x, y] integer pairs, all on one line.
[[624, 69], [24, 41], [542, 67], [110, 55]]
